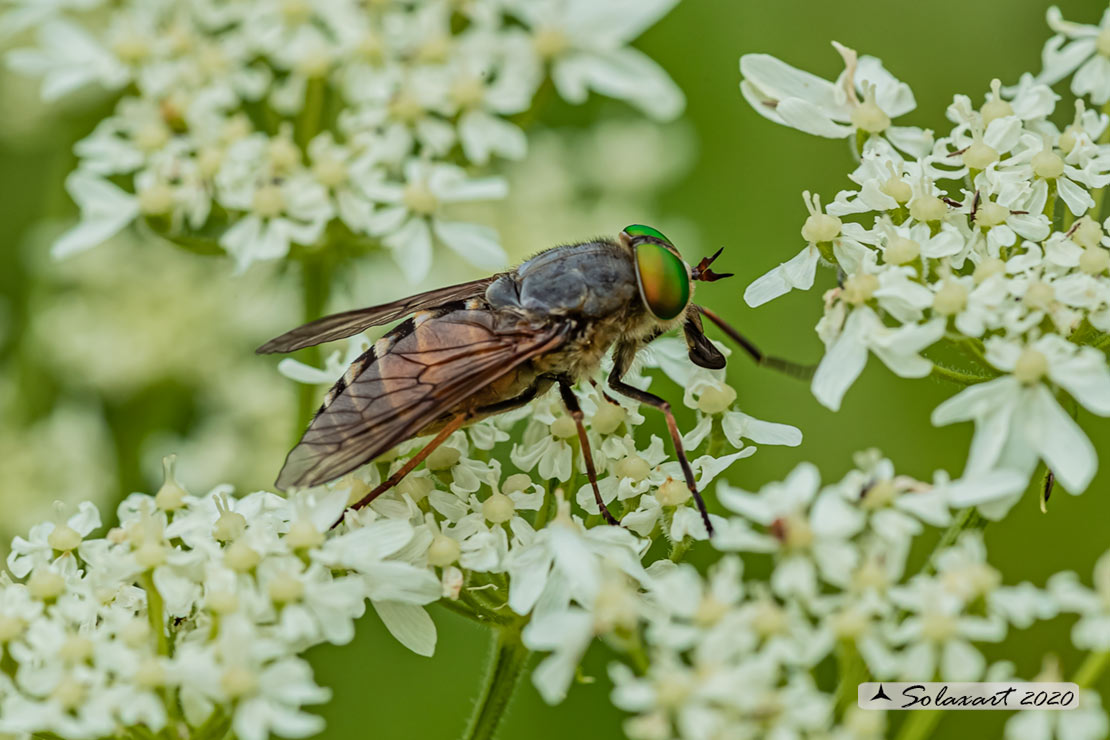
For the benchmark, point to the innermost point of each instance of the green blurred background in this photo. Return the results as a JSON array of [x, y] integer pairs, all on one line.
[[134, 350]]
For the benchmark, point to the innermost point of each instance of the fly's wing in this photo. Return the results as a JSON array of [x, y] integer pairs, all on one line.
[[424, 374], [349, 323]]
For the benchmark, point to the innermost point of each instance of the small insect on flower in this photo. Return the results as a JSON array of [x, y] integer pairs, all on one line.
[[480, 348]]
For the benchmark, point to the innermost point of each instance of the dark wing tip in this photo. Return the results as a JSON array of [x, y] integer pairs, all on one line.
[[275, 346]]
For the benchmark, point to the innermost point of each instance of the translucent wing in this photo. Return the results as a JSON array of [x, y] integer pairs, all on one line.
[[424, 374], [349, 323]]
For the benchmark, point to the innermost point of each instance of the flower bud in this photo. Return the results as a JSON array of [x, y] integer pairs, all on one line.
[[1039, 296], [303, 535], [10, 628], [443, 551], [285, 588], [516, 482], [150, 555], [237, 681], [673, 493], [498, 508], [220, 601], [45, 585], [171, 496], [950, 298], [156, 199], [1087, 232], [1047, 164], [991, 214], [442, 458], [608, 418], [716, 399], [868, 116], [633, 467], [76, 649], [980, 155], [64, 538], [241, 557], [821, 227], [996, 107], [927, 208], [150, 674], [860, 287], [564, 428], [1094, 260], [1031, 366], [417, 487], [989, 267], [900, 250], [68, 693], [898, 189]]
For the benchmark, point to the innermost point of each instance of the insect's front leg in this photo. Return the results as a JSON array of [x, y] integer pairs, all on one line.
[[623, 358], [802, 372], [571, 402]]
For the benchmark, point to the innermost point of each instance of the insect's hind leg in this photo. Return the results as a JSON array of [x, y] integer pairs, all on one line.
[[571, 402], [650, 399], [415, 460]]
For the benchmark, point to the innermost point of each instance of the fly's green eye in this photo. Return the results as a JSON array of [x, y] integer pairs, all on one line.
[[641, 230], [664, 281]]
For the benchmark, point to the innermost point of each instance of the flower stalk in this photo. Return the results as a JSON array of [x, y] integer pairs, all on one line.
[[508, 662]]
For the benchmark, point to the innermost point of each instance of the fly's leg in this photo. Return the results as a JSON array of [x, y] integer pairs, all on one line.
[[440, 438], [415, 460], [802, 372], [604, 395], [636, 394], [571, 402]]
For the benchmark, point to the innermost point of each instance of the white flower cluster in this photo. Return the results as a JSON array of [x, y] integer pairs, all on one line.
[[193, 609], [264, 125], [988, 239], [723, 655]]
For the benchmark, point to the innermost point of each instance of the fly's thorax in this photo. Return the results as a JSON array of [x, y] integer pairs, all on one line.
[[593, 281]]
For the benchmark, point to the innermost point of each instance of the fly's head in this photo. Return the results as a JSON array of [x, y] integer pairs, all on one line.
[[666, 284]]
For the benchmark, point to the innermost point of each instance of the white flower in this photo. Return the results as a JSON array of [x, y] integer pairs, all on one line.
[[1092, 631], [1086, 722], [1079, 48], [863, 331], [1018, 420], [816, 106], [106, 210], [410, 216], [70, 58], [563, 563], [292, 211], [937, 636], [808, 528], [586, 45]]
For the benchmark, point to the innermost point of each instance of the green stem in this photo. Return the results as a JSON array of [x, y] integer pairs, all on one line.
[[919, 725], [510, 658], [956, 376], [155, 612], [967, 519], [315, 286], [1100, 194], [1092, 668], [852, 670], [308, 122]]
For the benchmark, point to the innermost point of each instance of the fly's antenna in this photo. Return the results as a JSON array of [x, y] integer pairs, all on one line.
[[703, 273], [793, 369]]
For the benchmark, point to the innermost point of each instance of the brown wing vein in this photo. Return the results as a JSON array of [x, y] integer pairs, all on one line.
[[423, 376], [349, 323]]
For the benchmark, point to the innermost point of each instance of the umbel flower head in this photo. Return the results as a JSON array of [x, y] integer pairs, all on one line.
[[264, 127], [988, 239]]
